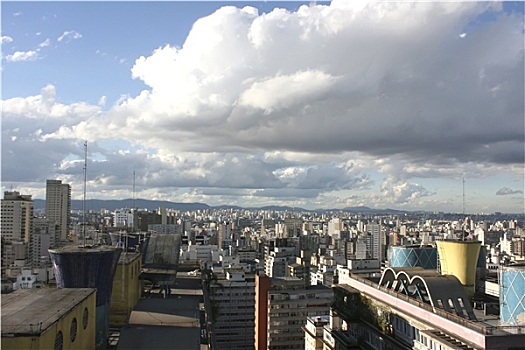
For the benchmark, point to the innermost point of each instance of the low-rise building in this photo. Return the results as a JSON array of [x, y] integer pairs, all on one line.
[[49, 319]]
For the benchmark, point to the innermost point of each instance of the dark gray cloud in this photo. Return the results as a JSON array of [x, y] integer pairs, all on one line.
[[505, 191]]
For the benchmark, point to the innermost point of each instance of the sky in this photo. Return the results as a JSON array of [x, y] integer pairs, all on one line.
[[403, 105]]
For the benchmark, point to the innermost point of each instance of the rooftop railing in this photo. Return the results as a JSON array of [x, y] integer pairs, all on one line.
[[476, 326]]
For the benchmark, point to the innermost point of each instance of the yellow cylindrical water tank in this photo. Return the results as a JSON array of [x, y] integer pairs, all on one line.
[[459, 258]]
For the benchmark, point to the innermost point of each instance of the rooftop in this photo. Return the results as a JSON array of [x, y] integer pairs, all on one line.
[[78, 249], [32, 311]]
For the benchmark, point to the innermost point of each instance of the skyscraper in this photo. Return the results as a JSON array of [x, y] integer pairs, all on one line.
[[58, 206]]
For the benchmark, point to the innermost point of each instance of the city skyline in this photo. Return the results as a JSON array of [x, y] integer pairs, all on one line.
[[314, 105]]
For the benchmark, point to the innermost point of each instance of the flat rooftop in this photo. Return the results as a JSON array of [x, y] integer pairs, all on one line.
[[67, 249], [28, 312], [174, 322], [128, 257]]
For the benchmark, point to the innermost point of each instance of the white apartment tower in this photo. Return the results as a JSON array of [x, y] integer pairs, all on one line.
[[16, 228], [58, 206], [17, 217]]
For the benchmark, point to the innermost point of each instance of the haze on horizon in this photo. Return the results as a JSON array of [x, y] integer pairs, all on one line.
[[314, 105]]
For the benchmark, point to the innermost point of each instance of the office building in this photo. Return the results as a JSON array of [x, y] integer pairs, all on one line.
[[58, 206]]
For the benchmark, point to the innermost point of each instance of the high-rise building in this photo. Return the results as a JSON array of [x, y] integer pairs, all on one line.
[[231, 299], [17, 217], [16, 228], [282, 306], [378, 243], [42, 238], [223, 233], [58, 206]]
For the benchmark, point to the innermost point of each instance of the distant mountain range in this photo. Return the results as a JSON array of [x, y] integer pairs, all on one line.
[[99, 204]]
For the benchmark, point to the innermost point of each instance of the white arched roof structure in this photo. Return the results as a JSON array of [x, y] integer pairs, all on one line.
[[440, 291]]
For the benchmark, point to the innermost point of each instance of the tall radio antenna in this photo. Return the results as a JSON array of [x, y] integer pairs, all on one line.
[[84, 199], [133, 189], [134, 210], [463, 195]]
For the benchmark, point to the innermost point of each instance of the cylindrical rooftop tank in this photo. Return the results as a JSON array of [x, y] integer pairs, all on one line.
[[94, 267], [412, 256], [459, 258], [512, 295]]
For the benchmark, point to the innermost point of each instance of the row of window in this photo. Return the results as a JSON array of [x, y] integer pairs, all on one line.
[[73, 329]]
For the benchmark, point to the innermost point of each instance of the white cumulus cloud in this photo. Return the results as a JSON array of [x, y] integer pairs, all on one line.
[[302, 104], [21, 56], [6, 39]]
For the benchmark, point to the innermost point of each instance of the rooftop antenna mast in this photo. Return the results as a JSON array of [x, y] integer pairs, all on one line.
[[463, 178], [463, 195], [133, 189], [134, 205], [84, 198]]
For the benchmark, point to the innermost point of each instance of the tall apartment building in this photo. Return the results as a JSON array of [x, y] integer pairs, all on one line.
[[17, 217], [231, 304], [377, 246], [58, 206], [42, 238], [224, 231], [16, 228], [282, 306]]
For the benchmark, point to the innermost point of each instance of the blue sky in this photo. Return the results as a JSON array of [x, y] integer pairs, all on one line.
[[318, 105]]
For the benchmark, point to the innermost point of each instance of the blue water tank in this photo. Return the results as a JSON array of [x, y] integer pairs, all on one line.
[[412, 256], [89, 267], [512, 295]]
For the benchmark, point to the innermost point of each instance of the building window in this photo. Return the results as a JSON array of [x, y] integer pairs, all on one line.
[[73, 330], [59, 341], [85, 317]]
